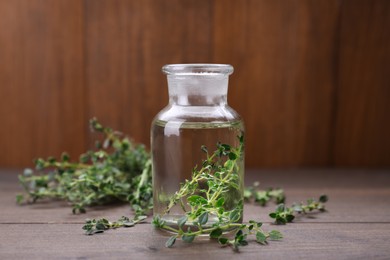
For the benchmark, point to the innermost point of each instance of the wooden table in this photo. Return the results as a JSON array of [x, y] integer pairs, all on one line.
[[356, 226]]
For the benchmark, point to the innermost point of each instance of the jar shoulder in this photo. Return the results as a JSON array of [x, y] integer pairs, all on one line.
[[198, 114]]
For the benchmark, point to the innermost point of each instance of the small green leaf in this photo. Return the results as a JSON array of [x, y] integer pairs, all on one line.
[[239, 233], [124, 219], [196, 200], [323, 198], [220, 202], [290, 217], [100, 226], [243, 243], [95, 125], [84, 158], [275, 235], [223, 240], [19, 198], [128, 224], [280, 208], [105, 221], [39, 164], [158, 222], [171, 241], [226, 147], [203, 218], [181, 221], [232, 156], [229, 164], [216, 233], [65, 157], [51, 160], [247, 194], [280, 220], [261, 238], [273, 215], [188, 238], [235, 215]]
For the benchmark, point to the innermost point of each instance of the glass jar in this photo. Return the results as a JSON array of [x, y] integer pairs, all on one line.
[[196, 122]]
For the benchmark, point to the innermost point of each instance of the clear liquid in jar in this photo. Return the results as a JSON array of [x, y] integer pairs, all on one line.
[[177, 150]]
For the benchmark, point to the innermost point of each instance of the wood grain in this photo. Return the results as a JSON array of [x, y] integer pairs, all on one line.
[[284, 82], [356, 226], [363, 96], [127, 44], [41, 80], [301, 241]]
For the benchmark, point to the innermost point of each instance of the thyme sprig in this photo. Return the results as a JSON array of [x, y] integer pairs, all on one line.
[[262, 197], [283, 214], [118, 170], [217, 230], [93, 226], [220, 171]]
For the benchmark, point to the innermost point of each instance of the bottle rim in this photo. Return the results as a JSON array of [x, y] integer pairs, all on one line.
[[198, 69]]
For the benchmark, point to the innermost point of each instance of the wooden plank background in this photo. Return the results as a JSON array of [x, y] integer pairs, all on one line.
[[312, 78]]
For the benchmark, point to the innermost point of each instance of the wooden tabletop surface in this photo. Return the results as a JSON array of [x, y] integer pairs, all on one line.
[[356, 225]]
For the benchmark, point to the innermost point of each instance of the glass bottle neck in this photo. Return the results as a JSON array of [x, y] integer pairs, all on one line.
[[198, 89], [192, 100]]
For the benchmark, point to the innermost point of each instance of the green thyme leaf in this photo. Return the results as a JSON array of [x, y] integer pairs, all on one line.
[[275, 235], [223, 240], [188, 238], [203, 218], [323, 198], [216, 233], [171, 241], [261, 238], [181, 221], [220, 202], [235, 215]]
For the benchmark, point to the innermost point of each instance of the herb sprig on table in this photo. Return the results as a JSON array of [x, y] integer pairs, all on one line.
[[283, 214], [93, 226], [262, 197], [119, 170], [217, 230]]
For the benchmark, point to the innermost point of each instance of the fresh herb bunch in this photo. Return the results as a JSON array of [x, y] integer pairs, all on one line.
[[118, 170], [283, 214], [220, 171], [262, 197]]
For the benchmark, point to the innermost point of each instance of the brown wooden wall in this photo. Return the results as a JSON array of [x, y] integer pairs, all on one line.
[[312, 77]]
